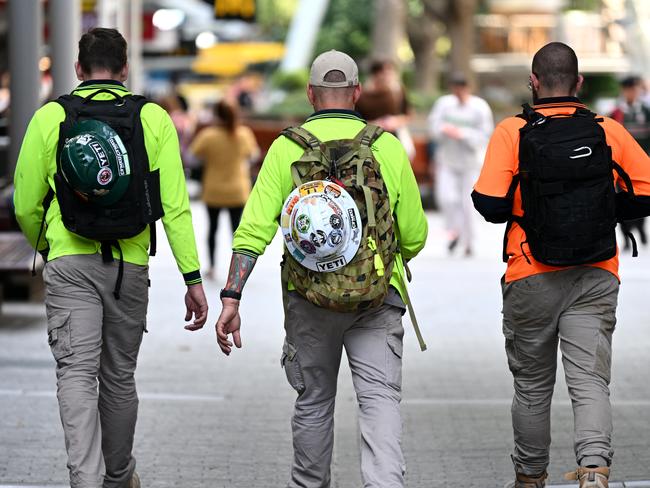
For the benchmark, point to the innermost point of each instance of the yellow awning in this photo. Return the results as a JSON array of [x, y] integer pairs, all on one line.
[[232, 58]]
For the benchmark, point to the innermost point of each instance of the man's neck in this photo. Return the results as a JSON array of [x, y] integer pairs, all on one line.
[[554, 94], [332, 106], [101, 75]]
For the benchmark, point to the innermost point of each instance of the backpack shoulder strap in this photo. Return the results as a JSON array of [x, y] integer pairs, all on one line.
[[302, 137], [71, 105], [528, 113], [307, 141], [369, 134]]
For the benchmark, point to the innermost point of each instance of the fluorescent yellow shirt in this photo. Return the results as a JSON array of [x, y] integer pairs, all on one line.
[[34, 177]]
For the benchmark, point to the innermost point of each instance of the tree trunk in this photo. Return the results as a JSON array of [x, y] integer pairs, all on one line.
[[388, 28], [423, 33], [461, 34]]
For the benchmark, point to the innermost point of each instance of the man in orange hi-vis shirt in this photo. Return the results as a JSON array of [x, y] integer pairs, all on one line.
[[551, 173]]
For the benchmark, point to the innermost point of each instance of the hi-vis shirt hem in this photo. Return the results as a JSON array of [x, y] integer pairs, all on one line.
[[192, 278], [246, 252]]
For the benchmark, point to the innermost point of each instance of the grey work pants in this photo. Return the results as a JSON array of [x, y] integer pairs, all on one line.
[[311, 356], [576, 307], [95, 341]]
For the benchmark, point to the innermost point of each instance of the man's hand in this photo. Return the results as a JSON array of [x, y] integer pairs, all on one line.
[[228, 322], [197, 306], [451, 131]]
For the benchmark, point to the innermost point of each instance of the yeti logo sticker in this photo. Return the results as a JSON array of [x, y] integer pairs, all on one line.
[[100, 154], [332, 265]]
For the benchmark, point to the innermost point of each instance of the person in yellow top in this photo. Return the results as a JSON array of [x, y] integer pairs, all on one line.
[[226, 149], [94, 329], [316, 335]]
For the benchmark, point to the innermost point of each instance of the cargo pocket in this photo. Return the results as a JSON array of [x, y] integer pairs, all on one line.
[[394, 362], [511, 348], [58, 335], [603, 360], [291, 367]]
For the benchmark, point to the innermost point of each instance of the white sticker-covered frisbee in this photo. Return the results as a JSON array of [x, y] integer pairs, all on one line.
[[321, 226]]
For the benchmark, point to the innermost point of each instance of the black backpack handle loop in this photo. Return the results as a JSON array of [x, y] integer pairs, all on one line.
[[120, 99]]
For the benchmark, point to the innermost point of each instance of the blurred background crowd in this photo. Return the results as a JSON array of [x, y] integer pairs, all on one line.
[[218, 65]]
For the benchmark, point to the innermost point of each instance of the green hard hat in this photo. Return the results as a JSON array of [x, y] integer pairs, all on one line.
[[95, 163]]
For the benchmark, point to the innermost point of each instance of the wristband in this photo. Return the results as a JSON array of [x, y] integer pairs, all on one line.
[[230, 294]]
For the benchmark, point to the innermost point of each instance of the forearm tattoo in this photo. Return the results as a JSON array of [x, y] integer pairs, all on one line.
[[241, 266]]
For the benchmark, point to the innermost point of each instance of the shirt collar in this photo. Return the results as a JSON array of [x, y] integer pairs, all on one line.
[[100, 82], [554, 101], [336, 112]]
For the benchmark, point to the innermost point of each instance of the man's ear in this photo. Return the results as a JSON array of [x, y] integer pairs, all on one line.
[[534, 81], [581, 80], [79, 72], [124, 73], [310, 95], [356, 94]]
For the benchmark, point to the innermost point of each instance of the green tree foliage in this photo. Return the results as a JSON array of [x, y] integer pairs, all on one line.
[[347, 27], [274, 17]]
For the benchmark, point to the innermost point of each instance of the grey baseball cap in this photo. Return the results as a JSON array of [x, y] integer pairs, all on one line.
[[334, 61]]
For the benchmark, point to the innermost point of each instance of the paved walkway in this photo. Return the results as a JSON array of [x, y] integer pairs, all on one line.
[[211, 421]]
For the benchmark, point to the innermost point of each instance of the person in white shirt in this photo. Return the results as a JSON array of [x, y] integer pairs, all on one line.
[[460, 124]]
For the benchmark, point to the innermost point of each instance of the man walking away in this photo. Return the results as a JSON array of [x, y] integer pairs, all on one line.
[[341, 190], [460, 125], [96, 169], [551, 174]]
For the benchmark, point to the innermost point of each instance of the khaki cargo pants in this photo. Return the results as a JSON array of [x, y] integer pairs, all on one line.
[[311, 357], [95, 341], [575, 307]]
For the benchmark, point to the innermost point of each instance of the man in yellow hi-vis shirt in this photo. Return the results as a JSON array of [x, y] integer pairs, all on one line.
[[96, 279], [372, 165]]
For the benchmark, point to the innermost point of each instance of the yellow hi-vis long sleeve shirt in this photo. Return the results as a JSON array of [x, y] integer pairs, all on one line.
[[34, 177]]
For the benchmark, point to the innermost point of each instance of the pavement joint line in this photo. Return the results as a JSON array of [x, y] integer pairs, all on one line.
[[142, 396], [619, 484], [616, 484], [507, 401], [407, 401]]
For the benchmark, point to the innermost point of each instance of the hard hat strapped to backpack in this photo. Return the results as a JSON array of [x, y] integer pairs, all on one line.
[[567, 188], [363, 282], [139, 204]]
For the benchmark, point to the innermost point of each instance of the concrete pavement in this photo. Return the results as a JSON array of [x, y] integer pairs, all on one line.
[[208, 420]]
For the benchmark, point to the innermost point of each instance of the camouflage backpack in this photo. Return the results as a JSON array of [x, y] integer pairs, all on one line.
[[363, 282]]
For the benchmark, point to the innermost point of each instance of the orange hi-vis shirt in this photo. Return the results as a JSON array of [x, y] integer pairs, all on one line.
[[502, 163]]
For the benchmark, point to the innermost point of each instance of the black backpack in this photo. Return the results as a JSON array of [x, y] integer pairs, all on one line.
[[567, 188], [139, 207]]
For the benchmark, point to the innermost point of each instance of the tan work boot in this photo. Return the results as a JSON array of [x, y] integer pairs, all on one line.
[[523, 481], [590, 477], [134, 482]]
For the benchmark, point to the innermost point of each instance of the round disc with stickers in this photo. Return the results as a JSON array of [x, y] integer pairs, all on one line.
[[321, 226]]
